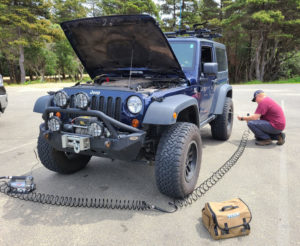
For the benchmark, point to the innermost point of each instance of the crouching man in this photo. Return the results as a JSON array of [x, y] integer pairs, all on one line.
[[268, 121]]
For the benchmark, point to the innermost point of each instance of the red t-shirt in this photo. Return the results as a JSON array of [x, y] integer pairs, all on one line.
[[272, 112]]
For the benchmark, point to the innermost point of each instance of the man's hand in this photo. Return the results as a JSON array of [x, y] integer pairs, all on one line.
[[248, 118]]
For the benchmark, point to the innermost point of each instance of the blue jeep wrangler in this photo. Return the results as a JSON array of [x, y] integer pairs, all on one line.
[[148, 97]]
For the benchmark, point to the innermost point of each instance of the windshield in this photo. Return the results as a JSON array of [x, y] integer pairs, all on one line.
[[185, 53]]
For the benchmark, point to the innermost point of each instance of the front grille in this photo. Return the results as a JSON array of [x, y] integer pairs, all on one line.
[[108, 105]]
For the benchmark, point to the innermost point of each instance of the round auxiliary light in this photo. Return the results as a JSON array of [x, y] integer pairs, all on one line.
[[82, 100], [134, 104], [54, 124], [61, 99], [95, 129]]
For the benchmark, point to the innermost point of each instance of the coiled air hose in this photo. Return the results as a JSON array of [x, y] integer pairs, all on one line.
[[139, 205]]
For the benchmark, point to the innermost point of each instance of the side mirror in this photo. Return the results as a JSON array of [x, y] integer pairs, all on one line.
[[210, 68]]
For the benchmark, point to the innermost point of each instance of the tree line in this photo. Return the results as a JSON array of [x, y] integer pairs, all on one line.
[[262, 36]]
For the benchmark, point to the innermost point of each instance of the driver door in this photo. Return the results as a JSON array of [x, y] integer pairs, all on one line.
[[207, 81]]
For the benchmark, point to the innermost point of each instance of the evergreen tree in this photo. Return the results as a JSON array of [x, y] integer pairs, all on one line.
[[22, 23], [110, 7], [209, 10], [67, 61], [268, 29], [41, 60], [65, 10], [169, 11], [177, 14], [93, 8]]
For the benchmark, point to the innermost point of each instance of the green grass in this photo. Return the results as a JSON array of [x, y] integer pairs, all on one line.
[[38, 82], [295, 80], [34, 82]]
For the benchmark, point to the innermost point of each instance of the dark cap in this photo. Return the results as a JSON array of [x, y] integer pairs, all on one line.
[[256, 93]]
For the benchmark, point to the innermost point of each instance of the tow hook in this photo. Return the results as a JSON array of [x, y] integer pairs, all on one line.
[[76, 146]]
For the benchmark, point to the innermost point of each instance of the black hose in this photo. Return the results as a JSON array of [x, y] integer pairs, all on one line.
[[205, 186], [129, 204], [75, 201]]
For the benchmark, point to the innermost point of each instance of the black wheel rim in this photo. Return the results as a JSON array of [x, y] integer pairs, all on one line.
[[229, 119], [191, 161]]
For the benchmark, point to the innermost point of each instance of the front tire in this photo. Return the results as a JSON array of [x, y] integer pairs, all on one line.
[[221, 127], [59, 161], [178, 160]]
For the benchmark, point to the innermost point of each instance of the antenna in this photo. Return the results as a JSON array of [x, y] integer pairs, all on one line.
[[131, 65], [180, 17]]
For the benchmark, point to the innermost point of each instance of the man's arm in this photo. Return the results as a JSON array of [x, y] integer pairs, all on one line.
[[251, 117]]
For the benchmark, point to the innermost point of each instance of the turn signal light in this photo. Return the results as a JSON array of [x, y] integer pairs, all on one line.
[[107, 144], [174, 115], [58, 114], [135, 123]]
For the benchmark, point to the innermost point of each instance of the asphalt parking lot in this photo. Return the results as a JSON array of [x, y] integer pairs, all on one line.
[[266, 178]]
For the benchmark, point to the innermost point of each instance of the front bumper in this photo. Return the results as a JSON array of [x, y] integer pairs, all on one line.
[[124, 143], [3, 102]]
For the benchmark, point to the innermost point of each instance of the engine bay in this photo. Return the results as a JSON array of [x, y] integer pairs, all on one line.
[[142, 84]]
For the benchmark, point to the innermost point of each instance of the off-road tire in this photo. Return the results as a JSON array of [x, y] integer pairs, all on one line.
[[221, 127], [59, 161], [172, 156]]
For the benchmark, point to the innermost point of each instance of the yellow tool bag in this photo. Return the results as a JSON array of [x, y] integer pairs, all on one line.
[[227, 219]]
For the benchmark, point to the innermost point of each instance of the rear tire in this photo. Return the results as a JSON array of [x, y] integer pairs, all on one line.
[[221, 127], [59, 161], [178, 160]]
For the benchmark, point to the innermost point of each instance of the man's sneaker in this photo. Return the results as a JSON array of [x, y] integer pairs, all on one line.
[[281, 139], [263, 142]]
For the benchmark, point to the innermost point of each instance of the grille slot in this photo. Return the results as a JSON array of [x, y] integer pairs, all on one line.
[[109, 109], [72, 105], [101, 104], [94, 103], [72, 102], [118, 108]]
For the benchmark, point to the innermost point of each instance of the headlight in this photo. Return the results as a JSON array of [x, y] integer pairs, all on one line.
[[134, 104], [82, 100], [61, 99], [96, 129], [54, 124]]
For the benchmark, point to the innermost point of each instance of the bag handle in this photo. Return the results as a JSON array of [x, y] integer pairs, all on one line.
[[228, 208]]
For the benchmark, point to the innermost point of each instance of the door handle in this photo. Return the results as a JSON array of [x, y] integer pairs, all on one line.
[[203, 80]]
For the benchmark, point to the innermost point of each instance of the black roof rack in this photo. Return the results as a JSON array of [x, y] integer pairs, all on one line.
[[197, 32]]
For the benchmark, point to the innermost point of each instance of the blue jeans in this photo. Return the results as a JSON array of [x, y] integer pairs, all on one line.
[[263, 130]]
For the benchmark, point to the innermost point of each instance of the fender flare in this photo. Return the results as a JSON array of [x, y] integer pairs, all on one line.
[[161, 113], [219, 98], [42, 103]]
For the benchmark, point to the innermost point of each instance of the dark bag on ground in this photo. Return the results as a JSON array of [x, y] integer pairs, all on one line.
[[227, 219]]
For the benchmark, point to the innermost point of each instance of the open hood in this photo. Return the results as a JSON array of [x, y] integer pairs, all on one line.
[[110, 44]]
